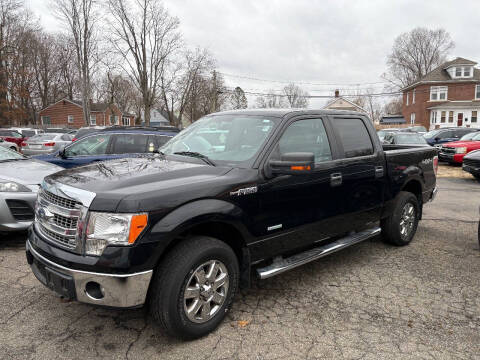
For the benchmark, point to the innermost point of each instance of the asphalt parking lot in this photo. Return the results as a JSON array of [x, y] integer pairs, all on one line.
[[371, 301]]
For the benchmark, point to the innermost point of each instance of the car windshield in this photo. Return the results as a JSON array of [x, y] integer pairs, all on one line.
[[42, 137], [231, 138], [469, 136], [8, 155], [431, 134], [409, 139]]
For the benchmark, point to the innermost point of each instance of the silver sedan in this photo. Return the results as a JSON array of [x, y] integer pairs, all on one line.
[[20, 178], [45, 143]]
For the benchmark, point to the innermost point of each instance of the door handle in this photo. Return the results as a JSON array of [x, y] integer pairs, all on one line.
[[336, 179], [379, 171]]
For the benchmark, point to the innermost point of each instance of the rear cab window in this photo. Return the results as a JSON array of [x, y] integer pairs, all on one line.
[[354, 137]]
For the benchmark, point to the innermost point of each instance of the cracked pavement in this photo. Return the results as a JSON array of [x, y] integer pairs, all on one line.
[[371, 301]]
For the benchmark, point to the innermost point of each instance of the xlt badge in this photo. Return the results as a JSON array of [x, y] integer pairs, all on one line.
[[244, 191]]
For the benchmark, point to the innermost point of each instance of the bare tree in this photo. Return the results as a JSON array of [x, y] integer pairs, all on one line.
[[238, 100], [271, 100], [147, 37], [183, 84], [295, 96], [393, 107], [416, 53], [80, 19]]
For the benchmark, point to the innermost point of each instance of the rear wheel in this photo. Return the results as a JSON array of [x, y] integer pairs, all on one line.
[[194, 286], [400, 227]]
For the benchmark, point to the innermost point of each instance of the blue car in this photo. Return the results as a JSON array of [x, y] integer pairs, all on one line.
[[108, 144], [444, 135]]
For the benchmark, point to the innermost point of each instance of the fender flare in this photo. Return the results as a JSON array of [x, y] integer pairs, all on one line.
[[198, 212]]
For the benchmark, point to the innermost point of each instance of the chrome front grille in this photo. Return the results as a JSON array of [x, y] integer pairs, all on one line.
[[447, 150], [58, 200], [56, 218]]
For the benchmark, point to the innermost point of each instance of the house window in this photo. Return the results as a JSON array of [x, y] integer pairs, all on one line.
[[412, 118], [46, 120], [466, 71], [433, 117], [407, 99], [93, 120], [113, 119], [458, 72], [442, 117], [413, 96], [477, 92], [450, 116], [125, 121], [438, 93], [70, 119], [474, 117]]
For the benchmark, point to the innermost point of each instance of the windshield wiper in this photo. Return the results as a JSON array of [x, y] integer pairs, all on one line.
[[196, 155]]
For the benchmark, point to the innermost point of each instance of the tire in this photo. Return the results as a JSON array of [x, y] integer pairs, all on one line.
[[476, 176], [182, 268], [392, 229]]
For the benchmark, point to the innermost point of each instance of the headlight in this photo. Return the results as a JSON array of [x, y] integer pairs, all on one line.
[[105, 229], [461, 150], [11, 186]]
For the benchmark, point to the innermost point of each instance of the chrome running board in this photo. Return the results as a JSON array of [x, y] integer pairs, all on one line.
[[281, 265]]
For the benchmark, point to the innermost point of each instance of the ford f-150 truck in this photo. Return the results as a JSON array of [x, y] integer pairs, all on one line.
[[235, 193]]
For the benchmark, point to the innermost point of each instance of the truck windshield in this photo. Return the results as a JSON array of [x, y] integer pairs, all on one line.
[[229, 138]]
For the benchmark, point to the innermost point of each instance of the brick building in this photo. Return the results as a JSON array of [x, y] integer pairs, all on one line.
[[448, 96], [69, 113]]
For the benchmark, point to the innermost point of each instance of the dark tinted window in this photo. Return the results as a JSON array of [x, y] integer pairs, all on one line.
[[461, 132], [306, 136], [354, 137], [28, 133], [445, 135], [130, 143]]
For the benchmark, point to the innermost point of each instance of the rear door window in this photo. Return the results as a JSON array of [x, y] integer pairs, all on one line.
[[354, 137], [129, 144]]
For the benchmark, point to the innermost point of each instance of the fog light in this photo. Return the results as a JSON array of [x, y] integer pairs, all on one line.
[[94, 290]]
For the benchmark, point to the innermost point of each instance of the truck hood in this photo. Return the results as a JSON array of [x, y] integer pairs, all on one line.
[[137, 180], [455, 144], [27, 171]]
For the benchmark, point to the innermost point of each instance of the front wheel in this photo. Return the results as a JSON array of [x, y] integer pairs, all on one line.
[[194, 286], [400, 227]]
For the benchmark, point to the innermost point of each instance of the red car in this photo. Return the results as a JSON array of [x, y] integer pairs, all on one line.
[[453, 152], [12, 136]]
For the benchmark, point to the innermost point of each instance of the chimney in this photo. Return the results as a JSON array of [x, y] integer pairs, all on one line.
[[337, 93]]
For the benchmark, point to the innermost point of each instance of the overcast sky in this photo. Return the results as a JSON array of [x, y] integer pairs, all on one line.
[[323, 42]]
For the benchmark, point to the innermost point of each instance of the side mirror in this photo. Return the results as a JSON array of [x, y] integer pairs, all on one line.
[[437, 138], [293, 164], [61, 152]]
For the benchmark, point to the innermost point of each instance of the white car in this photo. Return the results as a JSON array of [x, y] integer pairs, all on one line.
[[8, 145]]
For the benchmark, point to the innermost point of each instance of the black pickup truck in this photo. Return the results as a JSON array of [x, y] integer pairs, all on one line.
[[236, 192]]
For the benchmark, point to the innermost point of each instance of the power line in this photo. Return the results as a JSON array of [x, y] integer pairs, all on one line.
[[301, 82]]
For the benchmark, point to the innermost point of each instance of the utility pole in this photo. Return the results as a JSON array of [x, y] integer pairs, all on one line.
[[215, 91]]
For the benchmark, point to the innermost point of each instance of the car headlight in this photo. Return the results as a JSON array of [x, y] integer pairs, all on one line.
[[11, 186], [105, 229], [461, 150]]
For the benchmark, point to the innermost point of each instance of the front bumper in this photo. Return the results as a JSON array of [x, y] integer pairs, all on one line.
[[112, 290], [472, 169], [7, 220]]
